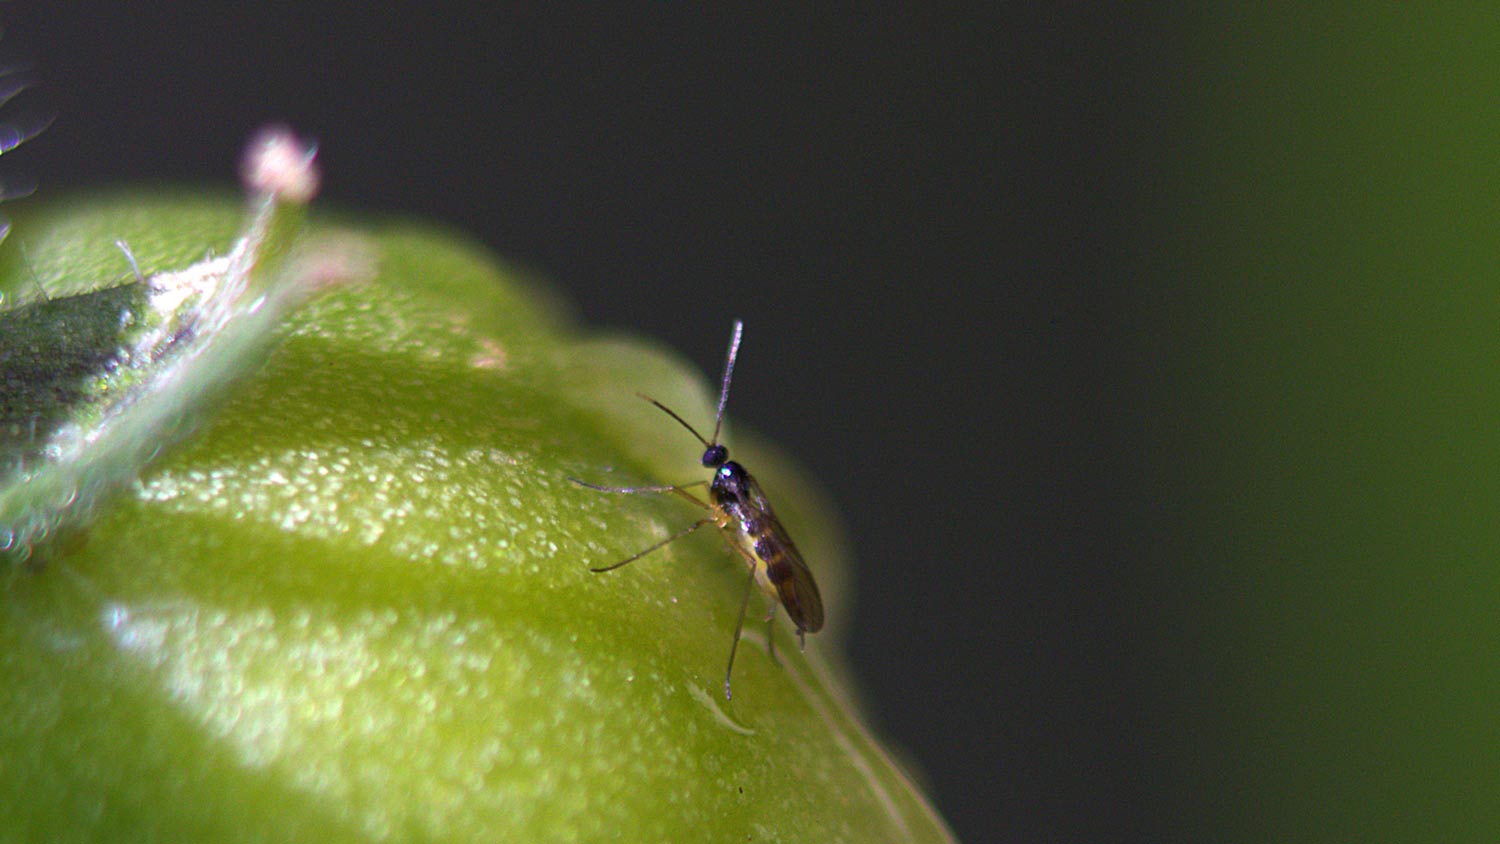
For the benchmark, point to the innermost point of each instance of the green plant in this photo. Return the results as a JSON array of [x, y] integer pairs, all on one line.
[[354, 603]]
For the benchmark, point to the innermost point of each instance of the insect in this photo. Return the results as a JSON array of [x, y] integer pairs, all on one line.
[[745, 520]]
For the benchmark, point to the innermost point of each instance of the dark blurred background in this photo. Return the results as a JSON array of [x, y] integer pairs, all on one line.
[[1145, 354]]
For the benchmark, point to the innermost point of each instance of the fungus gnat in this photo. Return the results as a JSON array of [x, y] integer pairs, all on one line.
[[743, 515]]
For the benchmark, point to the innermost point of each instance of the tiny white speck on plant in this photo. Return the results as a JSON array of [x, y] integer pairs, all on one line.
[[280, 164], [135, 266]]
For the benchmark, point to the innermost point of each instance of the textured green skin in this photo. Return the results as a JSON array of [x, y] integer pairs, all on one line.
[[355, 604]]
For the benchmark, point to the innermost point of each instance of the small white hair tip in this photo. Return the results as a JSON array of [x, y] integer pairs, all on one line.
[[279, 164]]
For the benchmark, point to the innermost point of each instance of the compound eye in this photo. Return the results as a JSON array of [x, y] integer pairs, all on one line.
[[715, 455]]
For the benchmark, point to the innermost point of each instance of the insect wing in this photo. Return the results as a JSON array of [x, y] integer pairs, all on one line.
[[785, 569], [798, 590]]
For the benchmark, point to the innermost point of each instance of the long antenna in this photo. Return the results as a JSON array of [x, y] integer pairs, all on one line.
[[734, 350], [667, 410]]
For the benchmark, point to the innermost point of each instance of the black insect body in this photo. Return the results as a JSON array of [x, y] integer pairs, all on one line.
[[740, 510], [752, 528]]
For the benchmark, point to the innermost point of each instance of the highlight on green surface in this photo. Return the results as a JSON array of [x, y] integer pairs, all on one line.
[[354, 604]]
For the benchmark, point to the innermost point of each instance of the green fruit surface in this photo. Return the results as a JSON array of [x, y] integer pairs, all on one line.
[[355, 605]]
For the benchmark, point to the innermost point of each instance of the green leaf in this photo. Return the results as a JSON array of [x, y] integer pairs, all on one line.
[[355, 604]]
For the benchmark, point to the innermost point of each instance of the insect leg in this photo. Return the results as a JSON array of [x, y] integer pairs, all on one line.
[[771, 633], [676, 536], [738, 628], [636, 489], [680, 490]]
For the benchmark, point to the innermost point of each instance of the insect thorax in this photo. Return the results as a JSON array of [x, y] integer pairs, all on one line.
[[730, 485]]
